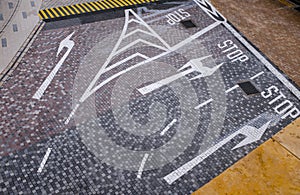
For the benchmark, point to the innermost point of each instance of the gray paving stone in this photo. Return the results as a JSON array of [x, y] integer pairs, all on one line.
[[102, 148]]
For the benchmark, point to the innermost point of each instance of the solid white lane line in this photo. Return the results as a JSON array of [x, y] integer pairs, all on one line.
[[204, 103], [140, 171], [232, 88], [125, 60], [168, 126], [227, 91], [44, 160], [280, 77], [71, 114], [257, 75], [165, 81]]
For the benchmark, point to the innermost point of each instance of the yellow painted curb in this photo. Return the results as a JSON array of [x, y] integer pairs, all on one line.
[[88, 7], [287, 3], [289, 138], [269, 169]]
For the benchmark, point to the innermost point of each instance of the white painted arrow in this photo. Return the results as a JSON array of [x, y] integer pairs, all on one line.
[[64, 43], [252, 134], [194, 65]]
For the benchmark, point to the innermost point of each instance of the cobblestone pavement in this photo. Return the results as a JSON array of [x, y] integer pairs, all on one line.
[[102, 124], [274, 29]]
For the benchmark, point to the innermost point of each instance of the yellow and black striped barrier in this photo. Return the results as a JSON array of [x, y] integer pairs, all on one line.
[[288, 3], [88, 7]]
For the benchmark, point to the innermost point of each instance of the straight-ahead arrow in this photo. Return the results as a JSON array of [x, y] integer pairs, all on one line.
[[252, 134]]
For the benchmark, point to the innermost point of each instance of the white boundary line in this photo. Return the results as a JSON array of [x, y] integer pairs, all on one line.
[[204, 103], [257, 75], [44, 160], [271, 68], [231, 89], [140, 171], [168, 127], [228, 90], [252, 134]]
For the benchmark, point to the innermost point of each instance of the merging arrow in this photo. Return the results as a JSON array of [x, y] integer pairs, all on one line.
[[64, 43], [252, 134]]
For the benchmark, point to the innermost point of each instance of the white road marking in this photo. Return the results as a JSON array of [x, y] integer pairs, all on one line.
[[64, 43], [134, 20], [194, 65], [139, 41], [71, 114], [227, 91], [209, 11], [280, 77], [165, 81], [168, 127], [136, 31], [90, 90], [231, 89], [252, 134], [257, 75], [44, 160], [142, 22], [167, 11], [140, 11], [140, 171], [125, 60], [204, 103]]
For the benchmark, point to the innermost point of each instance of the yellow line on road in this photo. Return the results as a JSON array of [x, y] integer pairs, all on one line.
[[89, 6], [41, 17], [54, 12], [119, 3], [49, 13], [107, 3], [103, 6], [116, 5], [44, 14], [288, 4], [128, 2], [87, 9], [79, 7], [138, 2], [60, 12], [95, 6], [76, 10], [134, 3], [65, 11], [68, 8]]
